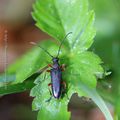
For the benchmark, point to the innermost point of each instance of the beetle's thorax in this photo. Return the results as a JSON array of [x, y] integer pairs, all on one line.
[[55, 63]]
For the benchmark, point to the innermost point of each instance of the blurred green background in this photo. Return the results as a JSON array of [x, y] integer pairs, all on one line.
[[107, 46]]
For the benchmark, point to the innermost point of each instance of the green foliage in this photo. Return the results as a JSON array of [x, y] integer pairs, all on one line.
[[85, 65], [7, 86], [55, 109], [57, 18], [31, 62], [21, 87], [108, 32]]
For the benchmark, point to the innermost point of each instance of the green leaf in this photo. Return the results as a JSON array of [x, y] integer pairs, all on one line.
[[32, 61], [48, 109], [92, 93], [77, 66], [46, 21], [52, 114], [100, 103], [54, 109], [6, 79], [59, 17], [9, 88], [85, 66]]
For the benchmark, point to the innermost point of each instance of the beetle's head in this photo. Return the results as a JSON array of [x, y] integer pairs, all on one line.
[[56, 59]]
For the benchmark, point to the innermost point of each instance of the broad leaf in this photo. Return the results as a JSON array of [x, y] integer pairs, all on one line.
[[59, 17], [83, 67], [9, 88], [52, 109], [32, 61]]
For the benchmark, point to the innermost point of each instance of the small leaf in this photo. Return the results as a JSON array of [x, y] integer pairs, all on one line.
[[85, 67], [21, 87]]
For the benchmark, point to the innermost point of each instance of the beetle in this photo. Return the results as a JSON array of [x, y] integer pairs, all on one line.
[[55, 72]]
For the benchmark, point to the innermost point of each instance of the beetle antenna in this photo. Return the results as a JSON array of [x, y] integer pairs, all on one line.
[[33, 43], [62, 43]]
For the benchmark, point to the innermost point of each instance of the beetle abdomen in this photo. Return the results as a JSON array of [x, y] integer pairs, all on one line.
[[56, 76]]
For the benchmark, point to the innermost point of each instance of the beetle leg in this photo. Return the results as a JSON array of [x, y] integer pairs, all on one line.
[[64, 89], [50, 92], [49, 99], [48, 70], [63, 67], [64, 84], [50, 84], [49, 65]]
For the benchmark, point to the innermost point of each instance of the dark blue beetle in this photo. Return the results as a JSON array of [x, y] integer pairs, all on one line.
[[56, 78], [56, 72]]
